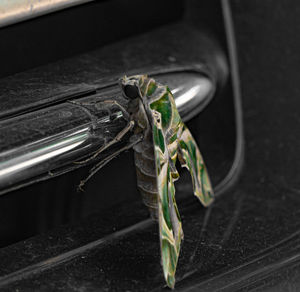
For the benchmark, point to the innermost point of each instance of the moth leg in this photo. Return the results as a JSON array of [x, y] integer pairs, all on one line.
[[117, 139], [98, 166], [108, 101], [190, 157], [124, 111]]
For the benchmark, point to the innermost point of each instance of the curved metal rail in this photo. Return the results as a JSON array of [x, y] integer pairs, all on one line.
[[57, 136], [13, 11]]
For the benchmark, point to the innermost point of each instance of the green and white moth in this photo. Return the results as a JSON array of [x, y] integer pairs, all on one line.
[[160, 137], [165, 138]]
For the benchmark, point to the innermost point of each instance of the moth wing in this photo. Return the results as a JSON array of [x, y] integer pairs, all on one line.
[[170, 228], [190, 157]]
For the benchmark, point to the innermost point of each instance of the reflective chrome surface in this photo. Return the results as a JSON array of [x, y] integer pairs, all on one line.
[[57, 136], [36, 155], [192, 92], [13, 11]]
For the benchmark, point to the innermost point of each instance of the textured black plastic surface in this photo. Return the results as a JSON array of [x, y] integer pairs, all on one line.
[[75, 30]]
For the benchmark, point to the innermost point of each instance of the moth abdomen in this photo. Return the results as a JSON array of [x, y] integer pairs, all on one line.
[[146, 175], [147, 187]]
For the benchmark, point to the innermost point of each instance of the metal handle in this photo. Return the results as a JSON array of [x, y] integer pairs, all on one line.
[[48, 141]]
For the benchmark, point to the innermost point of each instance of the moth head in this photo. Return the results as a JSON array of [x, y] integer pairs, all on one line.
[[132, 85]]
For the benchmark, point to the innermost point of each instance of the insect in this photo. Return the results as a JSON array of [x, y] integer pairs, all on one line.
[[160, 138]]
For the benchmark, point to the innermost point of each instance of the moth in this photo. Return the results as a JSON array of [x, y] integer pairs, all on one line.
[[160, 138]]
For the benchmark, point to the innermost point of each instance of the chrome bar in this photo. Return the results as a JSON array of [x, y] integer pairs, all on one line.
[[48, 141], [13, 11]]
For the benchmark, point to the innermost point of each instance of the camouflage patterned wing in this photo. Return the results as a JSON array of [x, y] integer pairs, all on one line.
[[170, 227], [190, 157]]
